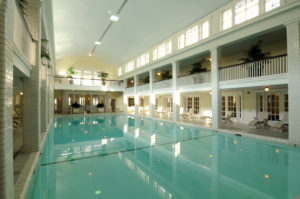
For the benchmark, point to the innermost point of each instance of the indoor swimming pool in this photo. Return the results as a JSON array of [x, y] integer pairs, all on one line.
[[120, 156]]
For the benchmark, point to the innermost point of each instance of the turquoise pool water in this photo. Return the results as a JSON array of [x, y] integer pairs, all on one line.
[[118, 156]]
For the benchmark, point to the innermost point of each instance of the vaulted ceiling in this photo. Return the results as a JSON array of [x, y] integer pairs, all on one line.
[[143, 23]]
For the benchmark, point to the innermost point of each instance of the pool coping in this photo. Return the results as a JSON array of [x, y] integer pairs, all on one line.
[[22, 184]]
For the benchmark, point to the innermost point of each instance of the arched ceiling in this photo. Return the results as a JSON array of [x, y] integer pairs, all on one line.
[[143, 23]]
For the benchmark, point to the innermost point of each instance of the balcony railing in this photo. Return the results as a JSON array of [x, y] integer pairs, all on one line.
[[87, 82], [142, 88], [162, 84], [268, 67], [129, 90], [199, 78]]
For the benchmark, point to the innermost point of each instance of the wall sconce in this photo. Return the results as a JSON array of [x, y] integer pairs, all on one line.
[[209, 58], [158, 73], [21, 93], [131, 81], [210, 92], [267, 88]]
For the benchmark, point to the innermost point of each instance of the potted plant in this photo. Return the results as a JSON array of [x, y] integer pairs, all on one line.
[[100, 107], [254, 53], [146, 80], [44, 53], [197, 67], [70, 72], [76, 107], [165, 74], [103, 76]]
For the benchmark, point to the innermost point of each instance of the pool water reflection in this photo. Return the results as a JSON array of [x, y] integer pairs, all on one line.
[[119, 156]]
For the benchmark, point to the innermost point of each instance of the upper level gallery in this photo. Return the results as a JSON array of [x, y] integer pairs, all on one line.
[[237, 22]]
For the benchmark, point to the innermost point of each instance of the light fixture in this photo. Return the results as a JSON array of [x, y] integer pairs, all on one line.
[[97, 42], [267, 88], [114, 18], [21, 93], [210, 92], [158, 73], [90, 54], [131, 81], [209, 58]]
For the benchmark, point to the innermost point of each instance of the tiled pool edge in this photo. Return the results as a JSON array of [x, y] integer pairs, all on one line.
[[225, 131], [22, 183]]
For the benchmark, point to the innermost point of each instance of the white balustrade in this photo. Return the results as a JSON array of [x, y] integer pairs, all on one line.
[[162, 84], [267, 67], [142, 88], [129, 90], [108, 84], [199, 78]]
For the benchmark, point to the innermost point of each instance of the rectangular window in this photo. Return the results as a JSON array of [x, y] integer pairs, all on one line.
[[223, 106], [240, 12], [82, 101], [77, 77], [154, 54], [69, 101], [95, 101], [261, 104], [192, 35], [245, 10], [120, 71], [286, 103], [227, 19], [161, 52], [271, 4], [138, 62], [181, 41], [196, 105], [273, 106], [130, 101], [129, 66], [205, 30], [189, 103], [232, 105], [251, 9], [170, 104], [169, 48]]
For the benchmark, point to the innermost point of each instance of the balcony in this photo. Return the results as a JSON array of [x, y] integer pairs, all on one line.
[[163, 84], [143, 88], [195, 79], [274, 66], [63, 83], [129, 90]]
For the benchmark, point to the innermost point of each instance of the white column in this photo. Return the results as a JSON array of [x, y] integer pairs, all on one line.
[[125, 100], [136, 97], [176, 94], [44, 105], [152, 96], [216, 93], [6, 99], [293, 51]]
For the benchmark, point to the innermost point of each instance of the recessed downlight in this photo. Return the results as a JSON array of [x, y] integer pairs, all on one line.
[[97, 42], [114, 18]]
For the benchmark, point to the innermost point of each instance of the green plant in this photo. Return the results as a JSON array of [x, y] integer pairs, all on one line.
[[103, 76], [146, 80], [44, 51], [254, 53], [197, 67], [166, 74], [70, 72]]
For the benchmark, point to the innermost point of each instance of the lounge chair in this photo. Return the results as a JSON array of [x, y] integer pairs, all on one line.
[[227, 118], [283, 124], [261, 121]]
